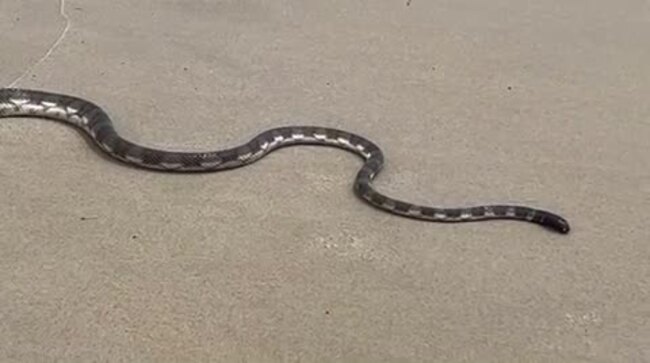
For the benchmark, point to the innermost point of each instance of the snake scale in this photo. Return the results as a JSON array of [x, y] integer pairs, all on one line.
[[94, 122]]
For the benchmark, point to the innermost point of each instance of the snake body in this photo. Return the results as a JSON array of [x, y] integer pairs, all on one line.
[[94, 122]]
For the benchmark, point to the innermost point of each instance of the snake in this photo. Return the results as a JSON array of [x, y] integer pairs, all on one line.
[[94, 122]]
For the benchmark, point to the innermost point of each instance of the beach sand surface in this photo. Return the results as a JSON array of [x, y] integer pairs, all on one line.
[[473, 102]]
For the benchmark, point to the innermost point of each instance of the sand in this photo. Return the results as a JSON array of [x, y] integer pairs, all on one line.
[[539, 103]]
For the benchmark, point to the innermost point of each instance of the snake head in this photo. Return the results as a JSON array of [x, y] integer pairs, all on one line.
[[556, 223]]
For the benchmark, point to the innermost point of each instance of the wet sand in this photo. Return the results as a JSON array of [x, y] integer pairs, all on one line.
[[543, 104]]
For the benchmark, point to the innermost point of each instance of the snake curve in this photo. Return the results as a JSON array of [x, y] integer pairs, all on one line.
[[94, 122]]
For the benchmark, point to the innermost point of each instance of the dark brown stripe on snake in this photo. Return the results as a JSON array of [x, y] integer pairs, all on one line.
[[98, 126]]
